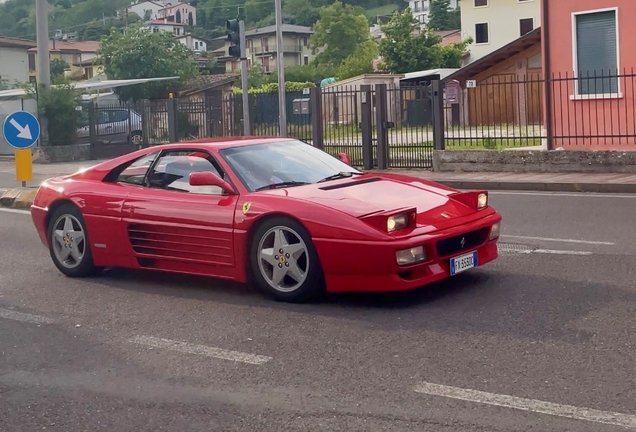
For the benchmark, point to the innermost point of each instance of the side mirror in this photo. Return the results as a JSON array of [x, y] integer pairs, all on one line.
[[345, 158], [208, 178]]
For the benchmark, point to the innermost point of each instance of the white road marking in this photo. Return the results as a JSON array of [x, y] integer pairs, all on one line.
[[550, 239], [16, 211], [505, 248], [24, 317], [200, 350], [532, 405], [557, 194]]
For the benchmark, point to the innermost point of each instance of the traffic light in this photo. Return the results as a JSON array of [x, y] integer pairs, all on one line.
[[234, 36]]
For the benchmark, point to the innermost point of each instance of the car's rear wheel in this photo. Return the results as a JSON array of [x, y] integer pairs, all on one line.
[[68, 242], [284, 261]]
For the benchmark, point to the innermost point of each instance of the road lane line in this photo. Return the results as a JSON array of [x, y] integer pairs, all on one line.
[[551, 239], [24, 317], [15, 211], [556, 194], [532, 405], [207, 351]]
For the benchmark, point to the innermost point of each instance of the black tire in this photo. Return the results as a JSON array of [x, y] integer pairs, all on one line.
[[86, 267], [313, 285]]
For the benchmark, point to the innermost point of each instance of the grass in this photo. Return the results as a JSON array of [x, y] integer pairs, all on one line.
[[491, 143], [382, 10]]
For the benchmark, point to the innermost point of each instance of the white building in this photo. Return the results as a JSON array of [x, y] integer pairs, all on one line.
[[422, 8], [166, 26], [14, 60], [148, 10], [194, 43], [495, 23]]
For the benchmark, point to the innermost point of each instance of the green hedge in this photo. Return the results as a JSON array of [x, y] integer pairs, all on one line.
[[273, 88]]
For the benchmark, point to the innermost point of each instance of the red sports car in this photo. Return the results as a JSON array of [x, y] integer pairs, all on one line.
[[274, 212]]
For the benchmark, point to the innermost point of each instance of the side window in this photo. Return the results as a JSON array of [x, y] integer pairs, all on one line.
[[173, 169], [136, 172], [118, 115]]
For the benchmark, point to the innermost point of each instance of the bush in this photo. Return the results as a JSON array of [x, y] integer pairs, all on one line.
[[58, 106], [273, 88]]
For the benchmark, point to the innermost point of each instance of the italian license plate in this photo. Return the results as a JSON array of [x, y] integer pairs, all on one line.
[[463, 263]]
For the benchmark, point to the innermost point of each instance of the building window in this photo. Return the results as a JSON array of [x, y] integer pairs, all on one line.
[[88, 73], [596, 53], [480, 3], [526, 25], [481, 33], [306, 60], [31, 62]]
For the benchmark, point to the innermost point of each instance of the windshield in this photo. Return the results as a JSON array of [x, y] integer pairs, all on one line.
[[288, 163]]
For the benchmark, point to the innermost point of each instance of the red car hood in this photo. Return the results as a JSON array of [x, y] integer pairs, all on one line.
[[366, 195]]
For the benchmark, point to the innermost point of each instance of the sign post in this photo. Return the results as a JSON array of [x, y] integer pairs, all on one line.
[[21, 130]]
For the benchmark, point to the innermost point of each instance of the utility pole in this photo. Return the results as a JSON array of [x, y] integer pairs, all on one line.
[[280, 66], [42, 27]]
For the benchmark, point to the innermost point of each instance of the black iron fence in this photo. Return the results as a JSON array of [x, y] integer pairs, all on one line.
[[391, 126]]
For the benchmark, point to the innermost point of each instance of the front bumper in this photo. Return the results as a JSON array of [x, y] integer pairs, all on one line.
[[355, 266]]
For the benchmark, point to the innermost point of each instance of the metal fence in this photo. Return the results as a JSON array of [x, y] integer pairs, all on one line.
[[390, 127], [593, 111], [498, 113]]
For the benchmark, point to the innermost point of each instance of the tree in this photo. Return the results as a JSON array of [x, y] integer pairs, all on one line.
[[301, 12], [404, 50], [58, 66], [440, 17], [141, 53], [339, 31], [360, 62]]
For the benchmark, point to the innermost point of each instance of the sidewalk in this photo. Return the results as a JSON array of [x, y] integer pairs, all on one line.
[[603, 183]]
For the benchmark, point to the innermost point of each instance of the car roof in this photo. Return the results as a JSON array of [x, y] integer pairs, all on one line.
[[225, 142]]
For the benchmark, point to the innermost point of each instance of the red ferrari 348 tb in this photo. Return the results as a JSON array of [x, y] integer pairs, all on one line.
[[274, 212]]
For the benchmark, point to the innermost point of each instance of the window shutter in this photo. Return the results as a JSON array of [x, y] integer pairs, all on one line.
[[596, 42]]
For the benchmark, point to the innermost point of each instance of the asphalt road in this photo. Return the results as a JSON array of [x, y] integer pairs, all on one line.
[[541, 340]]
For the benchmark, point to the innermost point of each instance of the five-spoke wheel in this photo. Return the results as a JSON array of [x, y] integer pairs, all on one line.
[[68, 242], [284, 262]]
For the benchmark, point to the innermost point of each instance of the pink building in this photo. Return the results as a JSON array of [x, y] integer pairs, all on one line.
[[180, 13], [590, 53]]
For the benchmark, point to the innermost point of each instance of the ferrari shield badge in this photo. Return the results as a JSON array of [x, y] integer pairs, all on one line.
[[246, 207]]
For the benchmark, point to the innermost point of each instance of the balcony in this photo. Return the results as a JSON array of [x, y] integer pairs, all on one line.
[[271, 49]]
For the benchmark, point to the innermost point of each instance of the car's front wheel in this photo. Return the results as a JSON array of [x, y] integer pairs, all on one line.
[[284, 262], [68, 242]]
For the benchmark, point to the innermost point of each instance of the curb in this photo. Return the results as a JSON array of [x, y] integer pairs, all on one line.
[[541, 187], [19, 198]]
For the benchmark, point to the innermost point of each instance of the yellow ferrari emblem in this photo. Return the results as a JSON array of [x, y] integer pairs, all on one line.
[[246, 207], [282, 259]]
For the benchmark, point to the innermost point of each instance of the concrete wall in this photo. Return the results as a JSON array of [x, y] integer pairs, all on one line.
[[502, 17], [534, 161], [14, 65], [8, 107]]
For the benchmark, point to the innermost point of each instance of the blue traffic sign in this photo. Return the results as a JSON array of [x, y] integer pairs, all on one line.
[[21, 130]]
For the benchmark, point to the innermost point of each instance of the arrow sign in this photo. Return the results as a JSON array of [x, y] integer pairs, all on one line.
[[21, 130], [25, 132]]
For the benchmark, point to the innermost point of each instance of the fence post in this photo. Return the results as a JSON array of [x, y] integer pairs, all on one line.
[[381, 119], [92, 129], [367, 126], [145, 127], [172, 120], [315, 109], [438, 115]]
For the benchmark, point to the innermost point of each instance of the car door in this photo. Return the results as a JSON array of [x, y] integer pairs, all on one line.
[[171, 225]]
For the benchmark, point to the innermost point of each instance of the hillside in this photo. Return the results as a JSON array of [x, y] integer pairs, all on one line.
[[92, 18]]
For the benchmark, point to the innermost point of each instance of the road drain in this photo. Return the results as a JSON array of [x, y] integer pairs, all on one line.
[[514, 248]]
